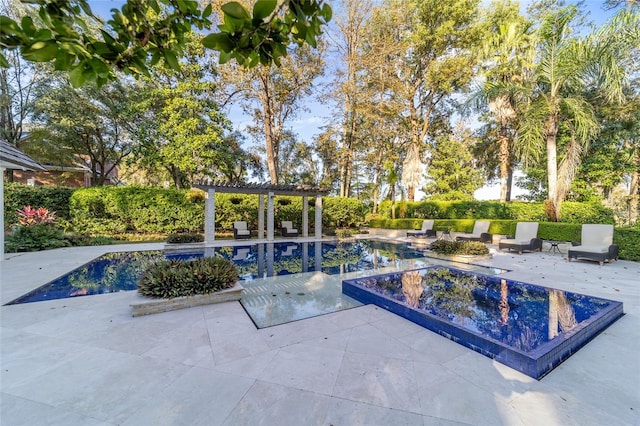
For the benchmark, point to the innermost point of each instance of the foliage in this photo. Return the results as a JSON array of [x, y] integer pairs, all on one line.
[[262, 37], [28, 216], [35, 238], [143, 32], [629, 241], [17, 195], [175, 278], [185, 238], [572, 211], [343, 233], [465, 248]]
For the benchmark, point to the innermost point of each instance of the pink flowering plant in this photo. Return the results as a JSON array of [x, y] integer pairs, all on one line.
[[29, 216]]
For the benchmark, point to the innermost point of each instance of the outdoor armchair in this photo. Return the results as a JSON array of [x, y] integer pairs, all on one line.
[[480, 233], [526, 238], [240, 230], [287, 229], [596, 244], [426, 230]]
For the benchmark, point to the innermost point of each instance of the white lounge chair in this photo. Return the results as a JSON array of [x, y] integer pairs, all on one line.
[[240, 230], [596, 243], [287, 229], [480, 233], [526, 238], [426, 230]]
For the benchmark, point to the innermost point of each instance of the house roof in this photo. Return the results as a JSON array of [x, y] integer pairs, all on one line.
[[264, 188], [12, 158]]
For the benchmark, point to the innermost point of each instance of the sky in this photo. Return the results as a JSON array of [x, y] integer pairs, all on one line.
[[309, 124]]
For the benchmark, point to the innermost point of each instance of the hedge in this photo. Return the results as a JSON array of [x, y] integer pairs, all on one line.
[[18, 195], [571, 212], [627, 238], [113, 210]]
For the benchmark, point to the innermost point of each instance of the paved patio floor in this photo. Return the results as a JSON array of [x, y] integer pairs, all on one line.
[[86, 361]]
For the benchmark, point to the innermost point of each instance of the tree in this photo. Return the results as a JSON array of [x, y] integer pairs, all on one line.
[[508, 56], [85, 124], [179, 122], [143, 32], [566, 66], [452, 172], [273, 97]]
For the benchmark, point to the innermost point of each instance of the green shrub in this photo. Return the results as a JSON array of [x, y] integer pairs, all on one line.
[[35, 238], [628, 239], [17, 195], [185, 238], [464, 248], [176, 278], [343, 233]]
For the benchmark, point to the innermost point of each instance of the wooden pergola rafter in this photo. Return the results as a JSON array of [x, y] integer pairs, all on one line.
[[262, 190]]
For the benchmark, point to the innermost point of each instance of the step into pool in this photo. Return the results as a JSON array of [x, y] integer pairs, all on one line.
[[527, 327]]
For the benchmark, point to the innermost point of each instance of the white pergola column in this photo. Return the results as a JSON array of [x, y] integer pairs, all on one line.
[[305, 216], [210, 217], [318, 216], [261, 216], [270, 217]]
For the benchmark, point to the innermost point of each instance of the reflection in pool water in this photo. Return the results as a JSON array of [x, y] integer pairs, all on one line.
[[115, 272], [513, 322]]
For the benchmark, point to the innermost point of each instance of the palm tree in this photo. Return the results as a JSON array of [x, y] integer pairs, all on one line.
[[566, 68], [509, 55]]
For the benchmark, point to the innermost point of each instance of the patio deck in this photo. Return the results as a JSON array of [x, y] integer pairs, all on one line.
[[86, 361]]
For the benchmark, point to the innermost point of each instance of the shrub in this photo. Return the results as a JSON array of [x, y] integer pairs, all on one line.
[[343, 233], [176, 278], [465, 248], [34, 238], [185, 238], [28, 216]]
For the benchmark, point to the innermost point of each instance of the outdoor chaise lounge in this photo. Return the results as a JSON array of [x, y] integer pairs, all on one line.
[[596, 244], [526, 238], [288, 230], [480, 233], [426, 230], [240, 230]]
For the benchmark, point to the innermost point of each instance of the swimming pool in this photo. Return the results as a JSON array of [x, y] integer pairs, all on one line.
[[120, 271], [527, 327]]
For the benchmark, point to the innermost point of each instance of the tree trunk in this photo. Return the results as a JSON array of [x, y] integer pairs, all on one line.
[[554, 202], [634, 194], [509, 183], [503, 156]]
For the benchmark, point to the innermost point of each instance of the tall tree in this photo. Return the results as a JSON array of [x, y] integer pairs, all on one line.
[[508, 55], [566, 66], [351, 20], [274, 96], [179, 122], [86, 123]]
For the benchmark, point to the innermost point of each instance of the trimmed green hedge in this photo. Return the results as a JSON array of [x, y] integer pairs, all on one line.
[[18, 195], [627, 238], [133, 209], [571, 212]]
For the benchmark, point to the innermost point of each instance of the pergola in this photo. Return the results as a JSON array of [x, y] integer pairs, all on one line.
[[262, 189], [11, 158]]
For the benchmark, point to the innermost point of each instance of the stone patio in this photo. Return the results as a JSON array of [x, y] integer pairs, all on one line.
[[87, 361]]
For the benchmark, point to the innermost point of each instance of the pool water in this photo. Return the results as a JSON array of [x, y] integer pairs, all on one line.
[[115, 272], [527, 327]]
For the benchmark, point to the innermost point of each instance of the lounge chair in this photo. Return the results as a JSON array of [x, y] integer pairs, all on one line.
[[288, 250], [596, 244], [480, 233], [426, 230], [241, 253], [240, 230], [287, 229], [525, 239]]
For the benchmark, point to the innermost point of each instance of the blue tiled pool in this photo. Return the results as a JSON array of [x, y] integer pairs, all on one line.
[[527, 327], [115, 272]]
